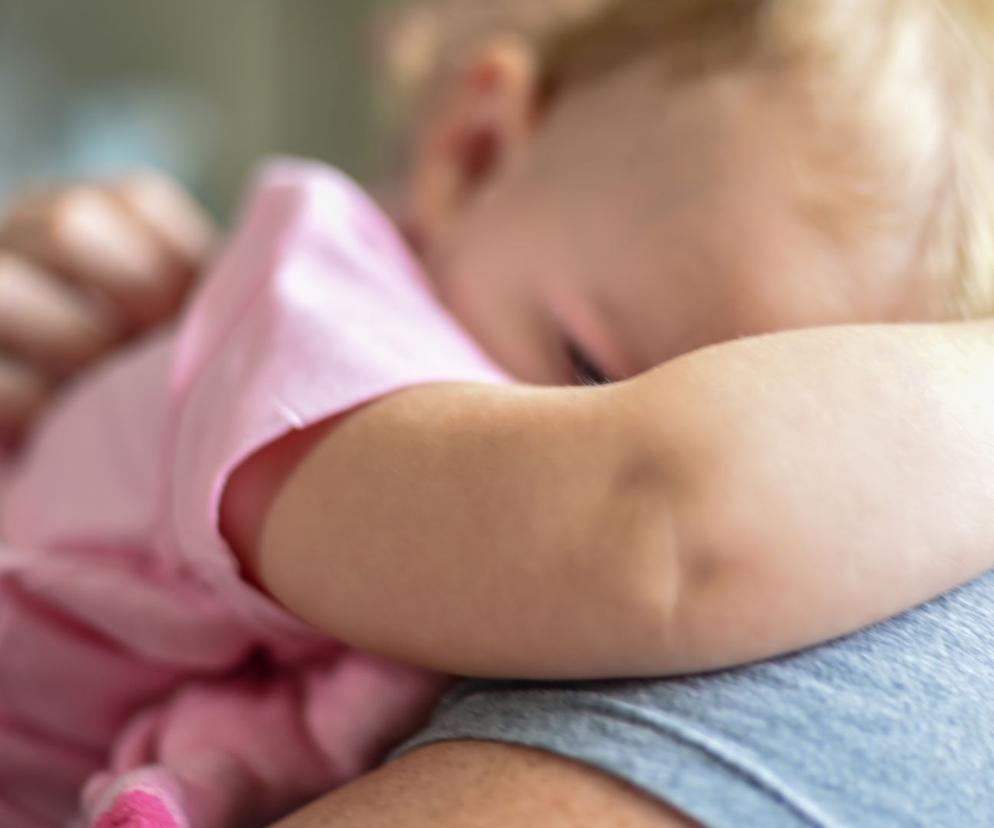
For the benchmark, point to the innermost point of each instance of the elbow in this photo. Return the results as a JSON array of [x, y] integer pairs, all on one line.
[[648, 565], [679, 602], [674, 565]]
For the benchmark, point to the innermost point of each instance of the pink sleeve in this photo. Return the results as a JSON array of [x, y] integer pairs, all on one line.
[[117, 587], [316, 308]]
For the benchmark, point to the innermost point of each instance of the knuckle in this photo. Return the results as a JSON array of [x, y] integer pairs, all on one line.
[[68, 210]]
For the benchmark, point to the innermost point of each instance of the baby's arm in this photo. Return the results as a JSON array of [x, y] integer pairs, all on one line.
[[739, 502]]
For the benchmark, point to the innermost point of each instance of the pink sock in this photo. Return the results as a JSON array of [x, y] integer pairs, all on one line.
[[138, 809], [208, 792], [150, 798]]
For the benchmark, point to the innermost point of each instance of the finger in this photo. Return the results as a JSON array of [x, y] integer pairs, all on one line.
[[167, 212], [22, 394], [46, 322], [176, 223], [84, 236]]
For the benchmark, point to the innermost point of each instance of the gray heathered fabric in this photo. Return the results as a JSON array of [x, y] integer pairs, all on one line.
[[893, 726]]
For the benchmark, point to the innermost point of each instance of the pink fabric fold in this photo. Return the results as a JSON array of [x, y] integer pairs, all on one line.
[[132, 651]]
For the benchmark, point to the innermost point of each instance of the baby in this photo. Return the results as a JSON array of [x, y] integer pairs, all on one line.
[[321, 426]]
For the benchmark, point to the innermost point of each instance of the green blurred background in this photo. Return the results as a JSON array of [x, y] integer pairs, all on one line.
[[202, 88]]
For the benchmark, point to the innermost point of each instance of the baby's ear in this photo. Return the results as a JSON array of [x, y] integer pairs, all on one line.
[[477, 129]]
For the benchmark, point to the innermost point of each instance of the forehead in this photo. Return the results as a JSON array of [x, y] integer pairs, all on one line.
[[691, 216], [641, 130]]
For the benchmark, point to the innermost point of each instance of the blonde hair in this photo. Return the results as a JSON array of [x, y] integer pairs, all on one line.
[[425, 41], [901, 93]]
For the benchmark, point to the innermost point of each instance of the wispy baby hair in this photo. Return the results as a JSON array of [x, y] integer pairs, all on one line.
[[899, 96]]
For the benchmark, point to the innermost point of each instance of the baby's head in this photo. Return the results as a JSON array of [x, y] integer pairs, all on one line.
[[658, 176]]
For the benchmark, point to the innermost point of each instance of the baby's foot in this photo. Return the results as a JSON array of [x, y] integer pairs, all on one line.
[[138, 809]]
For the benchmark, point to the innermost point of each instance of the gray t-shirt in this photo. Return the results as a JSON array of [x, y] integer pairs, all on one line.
[[893, 726]]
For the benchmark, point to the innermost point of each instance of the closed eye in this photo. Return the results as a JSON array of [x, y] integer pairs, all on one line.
[[585, 372]]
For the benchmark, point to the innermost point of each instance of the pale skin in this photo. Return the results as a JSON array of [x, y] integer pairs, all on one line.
[[646, 503]]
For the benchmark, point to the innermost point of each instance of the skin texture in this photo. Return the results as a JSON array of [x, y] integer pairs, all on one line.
[[504, 505], [483, 785]]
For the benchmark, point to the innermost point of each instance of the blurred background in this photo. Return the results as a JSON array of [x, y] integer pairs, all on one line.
[[200, 88]]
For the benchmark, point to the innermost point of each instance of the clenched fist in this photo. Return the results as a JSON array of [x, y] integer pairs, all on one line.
[[83, 269]]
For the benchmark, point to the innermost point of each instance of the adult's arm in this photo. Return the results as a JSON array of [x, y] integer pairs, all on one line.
[[486, 785], [742, 501]]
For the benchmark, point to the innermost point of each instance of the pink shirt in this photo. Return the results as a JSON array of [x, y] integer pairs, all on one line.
[[124, 618]]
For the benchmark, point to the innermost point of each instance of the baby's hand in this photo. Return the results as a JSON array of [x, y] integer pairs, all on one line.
[[82, 269]]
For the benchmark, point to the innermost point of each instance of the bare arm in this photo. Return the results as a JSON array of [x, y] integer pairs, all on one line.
[[486, 785], [828, 479], [473, 529], [739, 502]]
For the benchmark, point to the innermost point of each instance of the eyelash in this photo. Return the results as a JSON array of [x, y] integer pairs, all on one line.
[[584, 370]]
